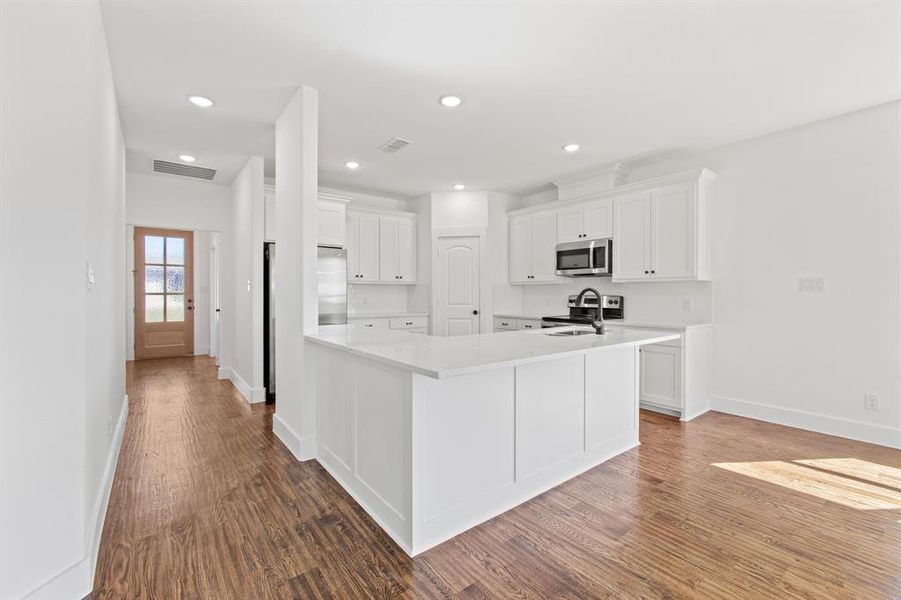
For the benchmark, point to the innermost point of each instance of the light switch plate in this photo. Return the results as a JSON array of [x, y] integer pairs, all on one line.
[[811, 284], [89, 275]]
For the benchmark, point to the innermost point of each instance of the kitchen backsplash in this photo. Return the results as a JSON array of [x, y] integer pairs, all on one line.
[[367, 299], [688, 302]]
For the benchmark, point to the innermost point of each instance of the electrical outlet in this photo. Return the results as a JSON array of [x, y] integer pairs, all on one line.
[[688, 305], [871, 401], [811, 284]]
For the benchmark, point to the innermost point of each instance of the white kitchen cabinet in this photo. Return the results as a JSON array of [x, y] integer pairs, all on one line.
[[362, 247], [661, 235], [533, 242], [397, 250], [585, 221], [661, 377], [529, 324], [505, 324], [331, 226]]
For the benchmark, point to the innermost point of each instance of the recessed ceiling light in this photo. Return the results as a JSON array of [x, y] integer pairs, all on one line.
[[352, 164], [201, 101], [186, 158], [451, 101], [459, 186], [571, 148]]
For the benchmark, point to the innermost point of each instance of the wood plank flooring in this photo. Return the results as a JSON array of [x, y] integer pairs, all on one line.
[[207, 503]]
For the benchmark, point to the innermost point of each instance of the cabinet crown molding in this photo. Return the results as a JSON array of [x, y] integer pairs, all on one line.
[[330, 197], [589, 182], [702, 175], [387, 212]]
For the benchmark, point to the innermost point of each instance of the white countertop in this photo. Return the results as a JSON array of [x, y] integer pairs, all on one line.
[[616, 322], [386, 315], [441, 357]]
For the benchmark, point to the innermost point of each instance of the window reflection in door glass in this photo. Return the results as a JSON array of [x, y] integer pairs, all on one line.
[[175, 251], [175, 307], [153, 249], [153, 309]]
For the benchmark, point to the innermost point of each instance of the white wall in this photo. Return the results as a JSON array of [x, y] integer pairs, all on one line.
[[178, 203], [244, 354], [819, 200], [62, 189]]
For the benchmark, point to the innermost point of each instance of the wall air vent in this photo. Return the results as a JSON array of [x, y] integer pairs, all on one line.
[[174, 168], [394, 144]]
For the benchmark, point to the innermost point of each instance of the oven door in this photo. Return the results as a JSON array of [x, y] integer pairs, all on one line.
[[574, 259]]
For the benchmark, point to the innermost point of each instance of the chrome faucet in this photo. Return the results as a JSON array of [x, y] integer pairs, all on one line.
[[598, 321]]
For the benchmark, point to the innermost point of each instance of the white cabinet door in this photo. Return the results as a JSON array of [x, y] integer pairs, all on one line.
[[406, 250], [388, 270], [661, 376], [597, 220], [367, 247], [544, 246], [352, 231], [520, 249], [331, 224], [569, 224], [631, 237], [673, 237]]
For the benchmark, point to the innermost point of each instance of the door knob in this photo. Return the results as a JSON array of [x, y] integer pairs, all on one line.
[[475, 312]]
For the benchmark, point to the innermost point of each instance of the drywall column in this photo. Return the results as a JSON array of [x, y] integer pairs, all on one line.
[[296, 309]]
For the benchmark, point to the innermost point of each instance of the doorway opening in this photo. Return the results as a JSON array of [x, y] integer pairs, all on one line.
[[269, 321]]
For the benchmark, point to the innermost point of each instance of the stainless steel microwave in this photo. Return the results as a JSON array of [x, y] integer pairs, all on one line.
[[586, 258]]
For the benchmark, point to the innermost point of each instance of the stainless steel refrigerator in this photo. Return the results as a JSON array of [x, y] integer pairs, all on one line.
[[332, 271], [331, 268]]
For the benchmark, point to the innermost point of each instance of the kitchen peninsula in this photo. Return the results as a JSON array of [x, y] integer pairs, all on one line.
[[434, 435]]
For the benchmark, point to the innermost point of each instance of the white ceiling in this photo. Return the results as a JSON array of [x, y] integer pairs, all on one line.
[[624, 79]]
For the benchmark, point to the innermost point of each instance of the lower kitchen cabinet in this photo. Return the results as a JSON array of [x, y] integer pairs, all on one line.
[[661, 377]]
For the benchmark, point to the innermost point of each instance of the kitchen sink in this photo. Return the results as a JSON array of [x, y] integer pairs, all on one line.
[[571, 332]]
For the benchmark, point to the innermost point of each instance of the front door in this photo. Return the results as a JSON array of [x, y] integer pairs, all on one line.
[[164, 293], [458, 286]]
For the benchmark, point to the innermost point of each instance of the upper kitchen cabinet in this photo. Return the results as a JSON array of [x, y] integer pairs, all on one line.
[[533, 241], [331, 226], [397, 249], [661, 233], [381, 246], [585, 221], [362, 247]]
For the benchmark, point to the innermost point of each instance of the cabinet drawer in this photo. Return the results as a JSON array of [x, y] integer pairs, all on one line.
[[504, 324], [370, 323], [409, 323], [529, 324]]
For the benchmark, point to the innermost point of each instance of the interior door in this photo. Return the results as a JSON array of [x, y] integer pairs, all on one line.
[[164, 293], [458, 286]]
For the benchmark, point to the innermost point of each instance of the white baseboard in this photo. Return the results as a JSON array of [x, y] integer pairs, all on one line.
[[301, 448], [77, 581], [202, 351], [252, 395], [846, 428]]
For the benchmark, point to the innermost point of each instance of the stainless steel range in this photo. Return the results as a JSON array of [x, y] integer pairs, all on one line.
[[612, 308]]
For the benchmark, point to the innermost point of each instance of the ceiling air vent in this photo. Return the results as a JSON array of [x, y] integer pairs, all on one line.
[[394, 144], [174, 168]]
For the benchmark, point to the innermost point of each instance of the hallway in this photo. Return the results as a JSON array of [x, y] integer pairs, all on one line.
[[206, 503]]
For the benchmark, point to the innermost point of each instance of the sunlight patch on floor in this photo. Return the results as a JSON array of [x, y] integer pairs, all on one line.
[[828, 486], [861, 469]]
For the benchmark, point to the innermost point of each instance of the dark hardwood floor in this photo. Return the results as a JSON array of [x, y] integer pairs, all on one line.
[[207, 503]]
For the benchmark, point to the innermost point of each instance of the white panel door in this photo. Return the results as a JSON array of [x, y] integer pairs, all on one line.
[[544, 246], [406, 250], [520, 249], [598, 220], [631, 237], [569, 224], [661, 376], [388, 268], [367, 247], [458, 286], [673, 248]]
